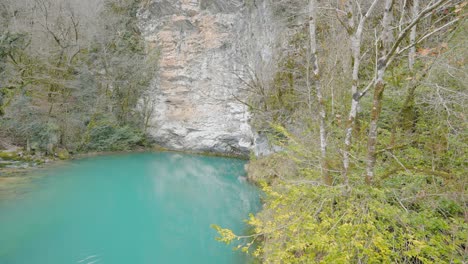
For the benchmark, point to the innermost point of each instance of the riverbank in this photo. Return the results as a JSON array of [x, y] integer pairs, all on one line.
[[16, 169], [16, 160], [16, 165]]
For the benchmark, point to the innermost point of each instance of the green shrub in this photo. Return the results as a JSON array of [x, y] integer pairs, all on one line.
[[106, 135], [409, 215], [303, 223]]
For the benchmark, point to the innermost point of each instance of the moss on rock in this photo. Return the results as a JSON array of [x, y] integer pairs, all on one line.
[[8, 155], [63, 154]]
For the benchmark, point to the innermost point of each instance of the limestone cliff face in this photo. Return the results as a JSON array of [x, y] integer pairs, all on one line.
[[204, 45]]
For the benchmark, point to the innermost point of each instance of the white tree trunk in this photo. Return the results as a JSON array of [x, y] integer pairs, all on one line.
[[318, 89], [379, 86], [412, 51], [356, 40]]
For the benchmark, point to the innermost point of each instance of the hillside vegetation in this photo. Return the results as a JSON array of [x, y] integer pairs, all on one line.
[[368, 103], [72, 74]]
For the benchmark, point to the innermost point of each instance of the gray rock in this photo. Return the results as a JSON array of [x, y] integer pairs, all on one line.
[[204, 46], [263, 147]]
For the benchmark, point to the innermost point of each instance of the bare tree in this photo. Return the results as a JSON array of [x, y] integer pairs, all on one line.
[[356, 43], [318, 89], [387, 51]]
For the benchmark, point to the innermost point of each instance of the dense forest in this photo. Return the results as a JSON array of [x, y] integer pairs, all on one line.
[[72, 74], [366, 105]]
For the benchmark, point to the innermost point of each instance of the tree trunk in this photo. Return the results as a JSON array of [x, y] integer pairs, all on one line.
[[405, 115], [412, 51], [372, 137], [379, 87], [318, 90], [407, 110], [387, 50], [356, 40], [28, 146]]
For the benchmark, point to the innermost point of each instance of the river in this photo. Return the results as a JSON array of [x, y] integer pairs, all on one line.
[[128, 208]]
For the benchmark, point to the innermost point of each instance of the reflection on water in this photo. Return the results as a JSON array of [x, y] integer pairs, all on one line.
[[140, 208], [90, 259]]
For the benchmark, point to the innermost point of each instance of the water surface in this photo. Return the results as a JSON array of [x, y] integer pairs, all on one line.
[[135, 208]]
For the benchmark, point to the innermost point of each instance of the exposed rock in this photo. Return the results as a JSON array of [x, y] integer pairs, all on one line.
[[203, 50], [263, 147]]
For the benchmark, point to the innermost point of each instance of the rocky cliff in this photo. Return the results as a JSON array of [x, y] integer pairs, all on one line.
[[205, 48]]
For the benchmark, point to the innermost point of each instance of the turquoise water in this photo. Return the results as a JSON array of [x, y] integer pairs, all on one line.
[[135, 208]]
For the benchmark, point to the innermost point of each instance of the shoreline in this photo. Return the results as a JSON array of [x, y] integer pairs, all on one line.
[[12, 177], [159, 149], [47, 161]]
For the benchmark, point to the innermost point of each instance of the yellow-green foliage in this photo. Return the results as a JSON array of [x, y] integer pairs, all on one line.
[[63, 154], [8, 155], [303, 223], [415, 215]]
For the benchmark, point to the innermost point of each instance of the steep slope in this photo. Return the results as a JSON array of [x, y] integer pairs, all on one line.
[[206, 48]]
